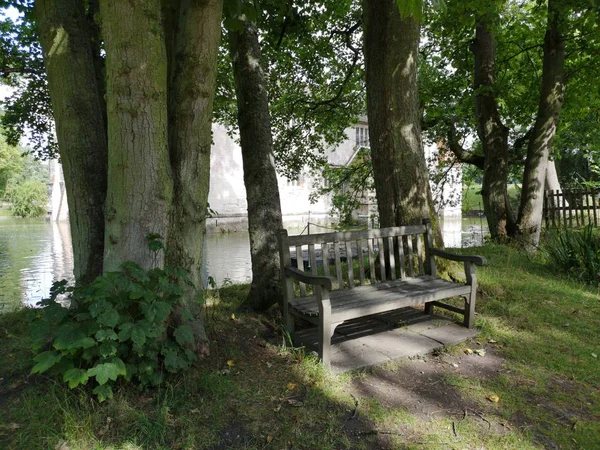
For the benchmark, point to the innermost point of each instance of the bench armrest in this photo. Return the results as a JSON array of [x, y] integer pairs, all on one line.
[[477, 260], [315, 280]]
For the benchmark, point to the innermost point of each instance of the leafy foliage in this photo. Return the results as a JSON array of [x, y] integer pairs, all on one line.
[[117, 328], [28, 198], [576, 252]]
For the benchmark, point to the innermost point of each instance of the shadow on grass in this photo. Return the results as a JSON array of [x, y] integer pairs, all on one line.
[[538, 363]]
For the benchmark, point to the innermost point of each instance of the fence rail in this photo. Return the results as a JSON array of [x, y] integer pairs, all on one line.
[[571, 208]]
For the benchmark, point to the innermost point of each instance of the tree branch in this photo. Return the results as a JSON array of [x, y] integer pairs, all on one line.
[[5, 71], [461, 154]]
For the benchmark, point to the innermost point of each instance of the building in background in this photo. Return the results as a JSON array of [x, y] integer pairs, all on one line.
[[227, 195]]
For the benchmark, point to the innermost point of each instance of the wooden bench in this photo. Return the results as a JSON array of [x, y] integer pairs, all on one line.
[[396, 268]]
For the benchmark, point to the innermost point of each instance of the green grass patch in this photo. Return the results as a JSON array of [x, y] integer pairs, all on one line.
[[539, 329]]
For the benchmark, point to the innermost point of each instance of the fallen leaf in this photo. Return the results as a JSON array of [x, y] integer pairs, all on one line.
[[231, 363], [294, 402], [468, 351], [492, 341], [594, 355], [269, 439], [493, 398], [232, 316], [480, 352], [291, 386]]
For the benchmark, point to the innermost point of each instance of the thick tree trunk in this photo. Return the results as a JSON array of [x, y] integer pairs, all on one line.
[[77, 103], [194, 33], [400, 173], [260, 178], [493, 135], [551, 100], [551, 183], [140, 186]]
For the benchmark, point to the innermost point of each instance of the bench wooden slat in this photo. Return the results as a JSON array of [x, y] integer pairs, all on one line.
[[350, 265], [365, 301], [325, 252], [381, 260], [402, 258], [420, 254], [338, 265], [300, 266], [411, 261], [372, 274], [361, 262], [342, 236], [312, 258], [392, 258]]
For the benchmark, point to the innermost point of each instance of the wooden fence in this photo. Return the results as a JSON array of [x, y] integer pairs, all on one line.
[[572, 208]]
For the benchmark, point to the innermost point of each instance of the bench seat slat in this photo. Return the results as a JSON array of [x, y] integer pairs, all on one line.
[[373, 299]]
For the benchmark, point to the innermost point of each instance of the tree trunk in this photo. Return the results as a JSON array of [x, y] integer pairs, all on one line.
[[78, 109], [194, 33], [538, 150], [140, 187], [400, 172], [493, 135], [260, 178], [551, 183]]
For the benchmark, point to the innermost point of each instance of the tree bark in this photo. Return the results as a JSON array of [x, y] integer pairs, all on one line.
[[551, 183], [140, 186], [194, 33], [493, 135], [538, 150], [260, 178], [78, 106], [400, 172]]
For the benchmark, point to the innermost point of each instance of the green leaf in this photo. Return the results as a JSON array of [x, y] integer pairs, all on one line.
[[110, 318], [104, 392], [136, 291], [106, 334], [186, 314], [125, 331], [135, 271], [138, 335], [99, 307], [108, 370], [184, 335], [174, 363], [75, 377], [191, 356], [55, 313], [71, 337], [157, 311], [45, 361], [108, 348]]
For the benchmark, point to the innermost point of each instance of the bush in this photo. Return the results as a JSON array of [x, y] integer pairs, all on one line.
[[28, 198], [576, 252], [117, 328]]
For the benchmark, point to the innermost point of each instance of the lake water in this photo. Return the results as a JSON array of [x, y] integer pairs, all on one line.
[[36, 252]]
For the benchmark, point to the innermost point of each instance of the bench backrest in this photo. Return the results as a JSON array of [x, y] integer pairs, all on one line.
[[356, 257]]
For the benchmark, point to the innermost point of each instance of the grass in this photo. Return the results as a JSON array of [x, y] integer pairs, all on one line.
[[539, 329], [473, 201]]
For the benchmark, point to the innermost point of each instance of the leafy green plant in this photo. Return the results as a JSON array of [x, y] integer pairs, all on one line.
[[28, 198], [118, 328], [576, 252]]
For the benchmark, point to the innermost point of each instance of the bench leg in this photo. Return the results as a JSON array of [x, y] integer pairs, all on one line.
[[429, 309], [469, 310], [325, 333]]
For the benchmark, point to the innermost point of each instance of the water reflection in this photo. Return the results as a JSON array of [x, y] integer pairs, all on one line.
[[35, 253]]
